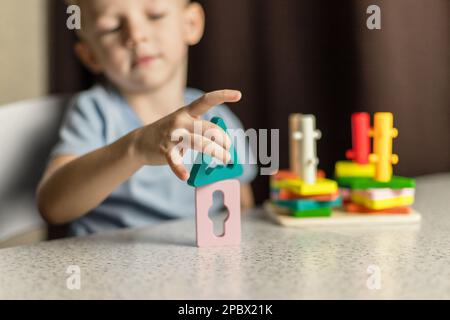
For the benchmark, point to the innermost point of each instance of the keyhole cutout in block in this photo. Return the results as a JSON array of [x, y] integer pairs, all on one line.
[[218, 221]]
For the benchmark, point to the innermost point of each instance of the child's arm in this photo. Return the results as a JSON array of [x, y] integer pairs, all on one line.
[[72, 186]]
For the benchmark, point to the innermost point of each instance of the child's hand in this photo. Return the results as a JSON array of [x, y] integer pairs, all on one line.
[[155, 143]]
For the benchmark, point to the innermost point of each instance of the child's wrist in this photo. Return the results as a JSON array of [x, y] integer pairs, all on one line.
[[134, 149]]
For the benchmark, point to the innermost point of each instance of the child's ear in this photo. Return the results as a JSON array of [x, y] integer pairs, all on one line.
[[87, 57], [194, 20]]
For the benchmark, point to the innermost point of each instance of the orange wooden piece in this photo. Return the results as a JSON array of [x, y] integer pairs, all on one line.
[[356, 208], [287, 195], [285, 174]]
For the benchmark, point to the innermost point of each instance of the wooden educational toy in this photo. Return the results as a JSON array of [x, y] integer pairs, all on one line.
[[351, 169], [383, 134], [382, 204], [360, 138], [203, 174], [232, 225], [301, 188], [294, 129], [369, 183], [304, 190], [378, 191], [359, 167], [307, 136], [368, 194], [307, 204], [339, 218], [207, 180], [356, 208]]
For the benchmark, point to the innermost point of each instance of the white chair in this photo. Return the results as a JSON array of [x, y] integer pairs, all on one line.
[[28, 130]]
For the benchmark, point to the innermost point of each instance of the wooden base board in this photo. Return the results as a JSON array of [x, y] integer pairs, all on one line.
[[342, 218]]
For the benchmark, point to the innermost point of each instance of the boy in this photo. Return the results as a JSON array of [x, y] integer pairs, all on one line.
[[116, 165]]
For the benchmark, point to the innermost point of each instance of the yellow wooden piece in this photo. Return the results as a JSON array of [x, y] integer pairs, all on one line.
[[383, 134], [299, 187], [383, 204], [352, 169]]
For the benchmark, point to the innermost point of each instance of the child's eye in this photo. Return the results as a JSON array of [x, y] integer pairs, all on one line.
[[111, 30], [156, 16], [116, 28]]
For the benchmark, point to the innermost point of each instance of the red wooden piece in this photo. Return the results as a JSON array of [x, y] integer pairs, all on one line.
[[360, 138]]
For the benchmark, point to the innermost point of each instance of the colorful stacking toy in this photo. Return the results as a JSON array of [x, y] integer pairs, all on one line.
[[222, 178], [303, 191], [367, 183]]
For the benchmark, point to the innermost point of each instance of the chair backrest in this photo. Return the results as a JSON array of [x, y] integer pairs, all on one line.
[[28, 130]]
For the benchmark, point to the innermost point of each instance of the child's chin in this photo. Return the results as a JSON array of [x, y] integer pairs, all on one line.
[[147, 86], [150, 82]]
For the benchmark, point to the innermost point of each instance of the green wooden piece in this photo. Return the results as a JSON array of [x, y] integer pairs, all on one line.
[[369, 183]]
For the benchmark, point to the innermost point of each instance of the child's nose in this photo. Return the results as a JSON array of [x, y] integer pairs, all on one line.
[[135, 34]]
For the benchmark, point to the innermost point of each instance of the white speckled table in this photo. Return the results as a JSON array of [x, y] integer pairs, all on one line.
[[273, 262]]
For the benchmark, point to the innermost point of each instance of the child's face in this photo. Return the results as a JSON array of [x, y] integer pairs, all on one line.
[[138, 44]]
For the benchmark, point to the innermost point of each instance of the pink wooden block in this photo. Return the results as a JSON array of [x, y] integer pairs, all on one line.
[[204, 202]]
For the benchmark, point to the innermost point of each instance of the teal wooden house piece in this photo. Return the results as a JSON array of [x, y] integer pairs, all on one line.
[[203, 173]]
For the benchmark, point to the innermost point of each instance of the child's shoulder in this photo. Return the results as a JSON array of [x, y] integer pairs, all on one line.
[[98, 95], [94, 106]]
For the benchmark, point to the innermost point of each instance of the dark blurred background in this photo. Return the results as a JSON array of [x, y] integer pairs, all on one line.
[[315, 56]]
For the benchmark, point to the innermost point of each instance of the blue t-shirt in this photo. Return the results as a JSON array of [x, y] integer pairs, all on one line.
[[101, 116]]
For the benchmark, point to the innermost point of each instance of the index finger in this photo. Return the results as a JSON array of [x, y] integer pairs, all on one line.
[[209, 100]]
